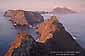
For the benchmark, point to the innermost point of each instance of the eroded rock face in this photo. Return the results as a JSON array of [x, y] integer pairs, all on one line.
[[17, 17], [56, 38], [22, 40], [21, 17], [10, 13], [53, 38], [33, 17], [47, 28]]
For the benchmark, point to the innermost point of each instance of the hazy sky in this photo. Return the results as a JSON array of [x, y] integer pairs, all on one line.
[[78, 5]]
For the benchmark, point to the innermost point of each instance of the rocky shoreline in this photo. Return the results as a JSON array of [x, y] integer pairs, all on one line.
[[23, 18], [52, 40]]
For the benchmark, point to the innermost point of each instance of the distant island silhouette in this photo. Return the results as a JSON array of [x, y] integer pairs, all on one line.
[[62, 10], [58, 10]]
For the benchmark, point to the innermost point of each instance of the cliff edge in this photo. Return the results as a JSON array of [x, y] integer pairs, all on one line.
[[52, 39]]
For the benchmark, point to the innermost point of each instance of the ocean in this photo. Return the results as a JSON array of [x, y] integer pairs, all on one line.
[[73, 23]]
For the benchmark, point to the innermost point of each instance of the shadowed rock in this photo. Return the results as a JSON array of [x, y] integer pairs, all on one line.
[[22, 18], [33, 18], [56, 38], [53, 38], [24, 45], [22, 41], [47, 28]]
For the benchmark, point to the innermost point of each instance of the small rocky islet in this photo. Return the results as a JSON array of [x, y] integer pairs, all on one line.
[[52, 38]]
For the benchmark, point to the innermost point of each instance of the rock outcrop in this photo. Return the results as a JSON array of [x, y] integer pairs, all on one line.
[[17, 17], [23, 40], [56, 38], [33, 18], [21, 17], [53, 39], [10, 13], [53, 33], [47, 28]]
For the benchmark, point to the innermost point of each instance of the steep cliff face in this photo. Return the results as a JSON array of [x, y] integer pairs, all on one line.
[[10, 13], [33, 17], [56, 38], [22, 40], [53, 39], [17, 17], [47, 28], [21, 17]]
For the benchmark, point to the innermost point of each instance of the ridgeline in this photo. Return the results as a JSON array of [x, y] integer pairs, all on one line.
[[52, 40]]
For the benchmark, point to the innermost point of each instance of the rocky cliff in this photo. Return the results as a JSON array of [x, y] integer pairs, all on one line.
[[21, 17], [22, 40], [33, 18], [53, 39], [47, 28]]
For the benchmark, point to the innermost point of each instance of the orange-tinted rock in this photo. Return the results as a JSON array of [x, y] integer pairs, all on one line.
[[21, 37], [10, 13], [47, 28], [21, 17], [17, 17], [53, 38]]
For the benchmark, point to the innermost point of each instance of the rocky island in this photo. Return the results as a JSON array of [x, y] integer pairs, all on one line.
[[58, 10], [52, 40], [23, 18], [62, 10]]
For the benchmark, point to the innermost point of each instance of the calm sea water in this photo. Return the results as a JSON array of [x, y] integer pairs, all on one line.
[[74, 23]]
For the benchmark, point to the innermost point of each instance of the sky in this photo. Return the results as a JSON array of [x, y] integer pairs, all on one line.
[[40, 5]]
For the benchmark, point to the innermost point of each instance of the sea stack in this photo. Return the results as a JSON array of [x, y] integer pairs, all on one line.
[[52, 39], [24, 18]]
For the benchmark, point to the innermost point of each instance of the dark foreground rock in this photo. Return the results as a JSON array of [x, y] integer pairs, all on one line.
[[56, 39], [53, 40], [19, 46]]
